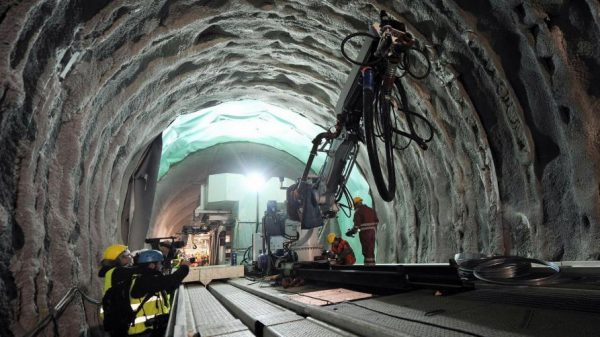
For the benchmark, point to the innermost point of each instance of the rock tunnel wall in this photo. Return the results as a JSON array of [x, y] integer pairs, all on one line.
[[514, 167]]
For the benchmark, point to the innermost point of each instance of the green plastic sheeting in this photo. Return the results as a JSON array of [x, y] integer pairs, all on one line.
[[248, 120], [258, 122]]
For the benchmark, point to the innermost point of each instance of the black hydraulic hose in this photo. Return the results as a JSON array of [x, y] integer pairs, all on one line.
[[389, 148], [244, 256], [407, 65], [345, 193], [411, 127], [512, 270], [313, 152], [316, 143], [387, 193], [343, 49], [412, 134]]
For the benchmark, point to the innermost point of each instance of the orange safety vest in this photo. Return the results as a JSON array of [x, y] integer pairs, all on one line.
[[342, 248]]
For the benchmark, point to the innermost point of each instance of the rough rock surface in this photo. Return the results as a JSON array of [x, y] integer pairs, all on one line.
[[85, 85]]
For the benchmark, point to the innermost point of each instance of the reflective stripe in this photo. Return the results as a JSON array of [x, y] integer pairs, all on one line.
[[134, 306], [365, 227], [153, 306], [142, 319]]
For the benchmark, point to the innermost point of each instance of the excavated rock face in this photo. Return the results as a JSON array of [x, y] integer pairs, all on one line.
[[85, 85]]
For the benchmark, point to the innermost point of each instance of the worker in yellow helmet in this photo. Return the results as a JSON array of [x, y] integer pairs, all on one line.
[[342, 250], [114, 256], [116, 267], [365, 220]]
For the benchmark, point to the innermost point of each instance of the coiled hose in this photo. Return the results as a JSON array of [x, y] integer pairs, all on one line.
[[506, 270]]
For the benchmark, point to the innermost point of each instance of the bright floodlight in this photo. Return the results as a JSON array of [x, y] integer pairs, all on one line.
[[255, 181]]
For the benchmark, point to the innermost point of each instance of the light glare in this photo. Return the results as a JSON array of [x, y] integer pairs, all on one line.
[[255, 181]]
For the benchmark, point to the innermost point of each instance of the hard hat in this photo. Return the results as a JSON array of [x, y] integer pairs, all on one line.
[[357, 200], [149, 256], [330, 238], [113, 252]]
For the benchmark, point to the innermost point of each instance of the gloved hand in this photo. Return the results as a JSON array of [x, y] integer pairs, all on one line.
[[351, 232]]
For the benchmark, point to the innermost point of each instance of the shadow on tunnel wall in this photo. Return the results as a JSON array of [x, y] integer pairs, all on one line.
[[139, 199]]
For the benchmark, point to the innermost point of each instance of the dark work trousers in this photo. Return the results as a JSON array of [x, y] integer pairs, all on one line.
[[367, 241]]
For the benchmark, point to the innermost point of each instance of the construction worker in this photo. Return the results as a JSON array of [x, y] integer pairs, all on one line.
[[116, 267], [342, 250], [365, 220], [114, 256], [150, 289]]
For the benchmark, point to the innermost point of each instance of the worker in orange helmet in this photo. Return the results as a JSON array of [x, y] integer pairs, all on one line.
[[342, 250], [365, 221]]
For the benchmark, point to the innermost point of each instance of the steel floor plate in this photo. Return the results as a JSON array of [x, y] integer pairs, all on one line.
[[268, 319], [211, 318], [420, 313], [223, 328], [302, 328], [587, 301]]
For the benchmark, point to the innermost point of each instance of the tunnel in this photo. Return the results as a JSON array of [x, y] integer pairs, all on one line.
[[100, 99]]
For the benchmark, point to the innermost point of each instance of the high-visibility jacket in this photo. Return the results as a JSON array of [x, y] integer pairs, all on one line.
[[111, 276], [107, 285], [154, 308], [108, 281], [153, 284], [344, 252]]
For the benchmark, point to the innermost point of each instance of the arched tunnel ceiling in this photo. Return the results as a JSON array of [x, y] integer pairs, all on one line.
[[513, 94], [245, 120], [178, 191]]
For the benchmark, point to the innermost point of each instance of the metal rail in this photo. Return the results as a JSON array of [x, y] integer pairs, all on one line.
[[392, 277]]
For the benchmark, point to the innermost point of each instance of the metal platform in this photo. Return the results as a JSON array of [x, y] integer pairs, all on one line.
[[472, 313], [200, 313], [265, 318], [245, 307], [207, 274]]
